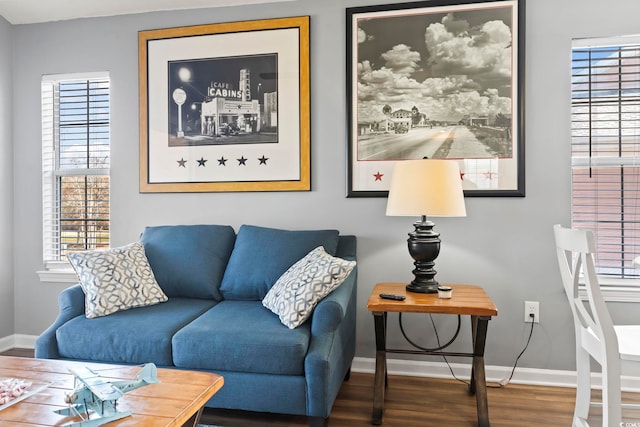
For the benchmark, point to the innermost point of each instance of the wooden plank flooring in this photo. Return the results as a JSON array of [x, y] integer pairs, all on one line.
[[423, 402]]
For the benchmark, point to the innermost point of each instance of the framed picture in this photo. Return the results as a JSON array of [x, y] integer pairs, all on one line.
[[225, 107], [437, 79]]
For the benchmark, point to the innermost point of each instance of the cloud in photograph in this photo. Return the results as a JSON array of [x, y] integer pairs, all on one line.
[[455, 47], [402, 60], [454, 69]]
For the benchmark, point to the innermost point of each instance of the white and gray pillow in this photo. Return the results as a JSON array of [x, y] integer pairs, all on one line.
[[116, 279], [296, 293]]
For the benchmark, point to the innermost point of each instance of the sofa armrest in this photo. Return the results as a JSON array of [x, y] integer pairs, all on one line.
[[332, 346], [332, 310], [71, 304]]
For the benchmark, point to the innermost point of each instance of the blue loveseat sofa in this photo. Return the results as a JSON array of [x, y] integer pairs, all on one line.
[[214, 319]]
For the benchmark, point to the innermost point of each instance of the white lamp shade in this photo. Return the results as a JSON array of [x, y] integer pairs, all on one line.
[[426, 187]]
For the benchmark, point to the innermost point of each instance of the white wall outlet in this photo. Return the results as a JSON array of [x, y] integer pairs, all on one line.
[[532, 308]]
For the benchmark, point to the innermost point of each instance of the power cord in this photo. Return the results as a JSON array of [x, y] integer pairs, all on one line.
[[506, 381], [433, 323], [440, 346], [502, 383]]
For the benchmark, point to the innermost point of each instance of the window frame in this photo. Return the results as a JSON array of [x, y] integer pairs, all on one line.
[[613, 289], [57, 270]]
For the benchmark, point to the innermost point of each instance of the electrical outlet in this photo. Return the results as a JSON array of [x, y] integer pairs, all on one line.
[[532, 308]]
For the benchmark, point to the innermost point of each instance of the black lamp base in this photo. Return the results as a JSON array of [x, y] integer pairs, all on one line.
[[423, 288], [424, 248]]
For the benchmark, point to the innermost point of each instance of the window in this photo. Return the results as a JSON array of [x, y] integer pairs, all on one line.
[[76, 157], [605, 150]]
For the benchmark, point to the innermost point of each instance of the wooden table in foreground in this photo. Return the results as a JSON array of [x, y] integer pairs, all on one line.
[[176, 401], [466, 300]]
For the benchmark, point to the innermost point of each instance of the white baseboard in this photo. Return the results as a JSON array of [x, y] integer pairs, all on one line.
[[496, 374], [17, 341]]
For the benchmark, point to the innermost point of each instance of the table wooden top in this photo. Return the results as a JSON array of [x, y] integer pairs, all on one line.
[[466, 299], [172, 402]]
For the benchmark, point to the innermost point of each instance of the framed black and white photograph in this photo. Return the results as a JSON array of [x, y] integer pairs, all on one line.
[[225, 107], [436, 79]]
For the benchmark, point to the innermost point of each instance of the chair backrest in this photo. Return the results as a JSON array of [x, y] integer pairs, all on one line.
[[575, 249]]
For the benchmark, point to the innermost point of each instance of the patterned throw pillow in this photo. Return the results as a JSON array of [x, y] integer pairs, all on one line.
[[296, 293], [116, 279]]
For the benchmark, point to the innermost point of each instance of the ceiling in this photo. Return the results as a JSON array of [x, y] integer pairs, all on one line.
[[33, 11]]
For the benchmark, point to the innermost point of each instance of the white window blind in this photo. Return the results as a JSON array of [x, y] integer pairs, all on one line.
[[76, 161], [605, 150]]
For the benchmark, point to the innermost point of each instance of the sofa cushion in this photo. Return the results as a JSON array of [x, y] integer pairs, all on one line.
[[304, 284], [189, 260], [116, 279], [139, 335], [261, 255], [241, 336]]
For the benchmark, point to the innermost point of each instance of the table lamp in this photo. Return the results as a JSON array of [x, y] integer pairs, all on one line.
[[425, 188]]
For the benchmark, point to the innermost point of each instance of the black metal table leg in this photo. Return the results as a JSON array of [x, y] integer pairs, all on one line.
[[474, 328], [195, 419], [380, 381], [478, 374]]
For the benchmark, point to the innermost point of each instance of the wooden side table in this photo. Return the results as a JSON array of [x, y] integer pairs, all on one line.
[[466, 300]]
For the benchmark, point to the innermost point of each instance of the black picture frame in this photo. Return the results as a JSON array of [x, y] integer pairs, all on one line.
[[437, 79]]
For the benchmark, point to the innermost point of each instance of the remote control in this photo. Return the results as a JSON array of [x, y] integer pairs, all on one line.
[[393, 297]]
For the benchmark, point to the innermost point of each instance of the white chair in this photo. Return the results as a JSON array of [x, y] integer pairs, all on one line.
[[596, 336]]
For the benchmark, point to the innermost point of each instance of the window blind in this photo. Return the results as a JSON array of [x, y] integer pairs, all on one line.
[[76, 163], [605, 152]]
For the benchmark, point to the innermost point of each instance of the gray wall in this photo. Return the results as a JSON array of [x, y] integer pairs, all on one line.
[[6, 183], [504, 244]]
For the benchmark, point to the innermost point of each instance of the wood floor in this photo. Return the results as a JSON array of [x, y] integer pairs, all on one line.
[[423, 402]]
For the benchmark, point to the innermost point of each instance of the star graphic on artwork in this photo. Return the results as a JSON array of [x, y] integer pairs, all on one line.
[[181, 163], [378, 176], [263, 160], [242, 161], [222, 161], [202, 162]]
